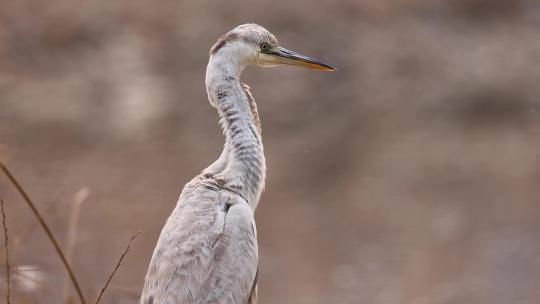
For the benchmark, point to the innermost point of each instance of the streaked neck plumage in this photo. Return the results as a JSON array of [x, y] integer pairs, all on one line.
[[241, 167]]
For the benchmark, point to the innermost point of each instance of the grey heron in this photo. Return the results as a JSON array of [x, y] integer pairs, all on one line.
[[207, 251]]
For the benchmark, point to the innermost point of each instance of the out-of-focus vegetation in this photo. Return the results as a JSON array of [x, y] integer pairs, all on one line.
[[411, 175]]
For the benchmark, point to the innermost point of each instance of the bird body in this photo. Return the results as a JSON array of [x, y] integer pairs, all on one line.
[[207, 251]]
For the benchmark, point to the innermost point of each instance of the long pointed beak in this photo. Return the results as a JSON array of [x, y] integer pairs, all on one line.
[[284, 56]]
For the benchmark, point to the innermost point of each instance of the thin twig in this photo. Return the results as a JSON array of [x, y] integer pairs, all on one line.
[[117, 266], [7, 252], [47, 231]]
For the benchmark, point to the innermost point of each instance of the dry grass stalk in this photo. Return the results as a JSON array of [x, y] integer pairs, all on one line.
[[46, 229], [78, 200], [117, 266], [8, 272]]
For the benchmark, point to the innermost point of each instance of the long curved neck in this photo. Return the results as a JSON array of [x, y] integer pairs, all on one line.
[[241, 167]]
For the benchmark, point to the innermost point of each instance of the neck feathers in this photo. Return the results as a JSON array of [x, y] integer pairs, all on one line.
[[241, 167], [253, 107]]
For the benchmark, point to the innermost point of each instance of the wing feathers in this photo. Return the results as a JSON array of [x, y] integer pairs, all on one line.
[[206, 253]]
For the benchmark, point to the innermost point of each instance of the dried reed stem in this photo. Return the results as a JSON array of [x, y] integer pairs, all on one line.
[[8, 271], [46, 229], [78, 200], [117, 266]]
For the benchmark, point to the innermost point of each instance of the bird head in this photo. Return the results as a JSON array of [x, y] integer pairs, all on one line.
[[252, 44]]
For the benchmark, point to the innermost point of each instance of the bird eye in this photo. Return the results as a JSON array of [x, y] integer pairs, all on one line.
[[265, 46]]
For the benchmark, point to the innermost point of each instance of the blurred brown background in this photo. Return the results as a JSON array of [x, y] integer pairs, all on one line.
[[411, 175]]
